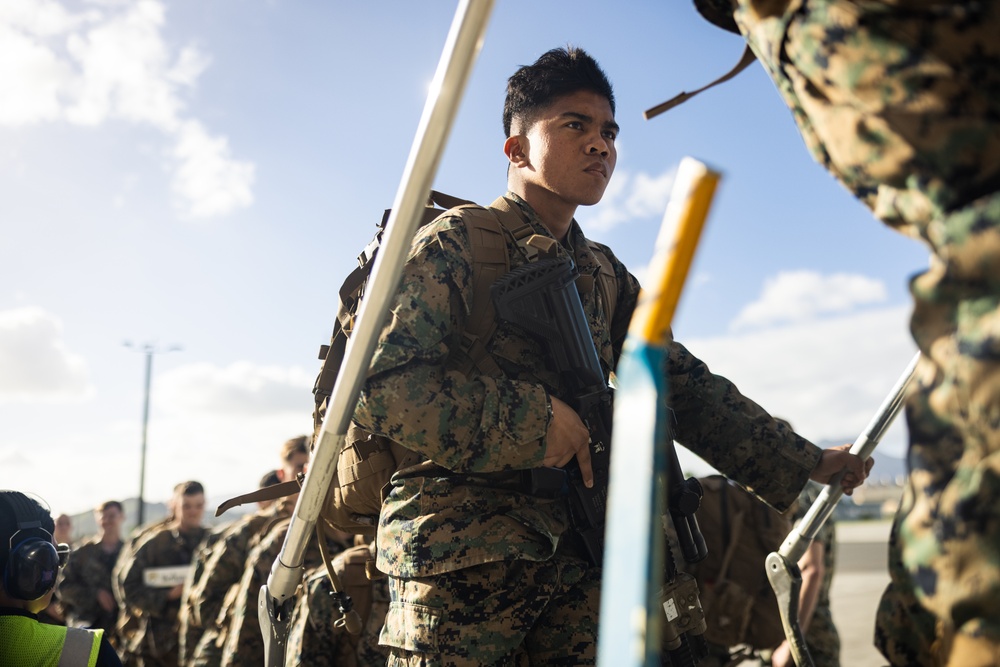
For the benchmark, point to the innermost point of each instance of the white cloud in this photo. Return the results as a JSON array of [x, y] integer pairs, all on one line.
[[208, 180], [31, 77], [35, 363], [826, 377], [796, 296], [114, 64], [630, 197], [241, 388]]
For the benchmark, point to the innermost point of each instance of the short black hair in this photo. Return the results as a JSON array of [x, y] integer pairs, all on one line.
[[556, 73], [269, 479], [189, 488]]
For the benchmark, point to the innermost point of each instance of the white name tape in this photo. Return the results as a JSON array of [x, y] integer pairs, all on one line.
[[165, 577]]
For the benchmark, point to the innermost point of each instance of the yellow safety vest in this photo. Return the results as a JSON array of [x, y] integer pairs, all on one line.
[[24, 642]]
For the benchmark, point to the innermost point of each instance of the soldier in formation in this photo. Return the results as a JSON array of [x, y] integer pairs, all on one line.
[[85, 585]]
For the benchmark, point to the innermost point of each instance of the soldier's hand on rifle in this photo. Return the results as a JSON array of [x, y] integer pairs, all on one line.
[[836, 459], [568, 437]]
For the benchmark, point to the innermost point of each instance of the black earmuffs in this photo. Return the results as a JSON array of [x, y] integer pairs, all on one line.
[[33, 561]]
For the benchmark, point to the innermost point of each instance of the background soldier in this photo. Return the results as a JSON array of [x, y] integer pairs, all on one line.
[[189, 628], [229, 557], [244, 644], [128, 623], [85, 585], [900, 100], [150, 584]]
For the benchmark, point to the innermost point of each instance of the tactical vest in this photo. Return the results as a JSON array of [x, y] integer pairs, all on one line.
[[368, 461]]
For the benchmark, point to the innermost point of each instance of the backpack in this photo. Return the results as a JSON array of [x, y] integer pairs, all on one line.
[[368, 461], [740, 531]]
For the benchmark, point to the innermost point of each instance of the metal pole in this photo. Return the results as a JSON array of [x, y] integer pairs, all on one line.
[[461, 49], [149, 349], [145, 426]]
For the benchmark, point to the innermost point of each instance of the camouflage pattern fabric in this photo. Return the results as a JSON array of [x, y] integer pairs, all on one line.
[[155, 642], [128, 622], [89, 570], [540, 613], [313, 638], [244, 644], [189, 625], [223, 568], [480, 430], [900, 100]]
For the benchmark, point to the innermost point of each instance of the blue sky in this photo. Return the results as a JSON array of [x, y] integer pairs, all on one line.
[[203, 174]]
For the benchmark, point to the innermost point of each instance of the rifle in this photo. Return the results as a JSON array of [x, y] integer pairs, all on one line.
[[460, 51], [782, 565], [541, 297]]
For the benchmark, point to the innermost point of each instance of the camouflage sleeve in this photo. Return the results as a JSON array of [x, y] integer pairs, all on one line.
[[138, 596], [223, 570], [734, 434], [479, 425], [77, 593]]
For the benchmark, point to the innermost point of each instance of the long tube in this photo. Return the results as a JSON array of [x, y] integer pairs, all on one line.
[[782, 566], [797, 542], [461, 49]]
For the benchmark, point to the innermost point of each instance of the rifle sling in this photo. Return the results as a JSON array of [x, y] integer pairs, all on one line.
[[744, 62], [272, 492]]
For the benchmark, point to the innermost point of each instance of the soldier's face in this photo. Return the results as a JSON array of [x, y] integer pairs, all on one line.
[[110, 520], [293, 466], [192, 511], [571, 148]]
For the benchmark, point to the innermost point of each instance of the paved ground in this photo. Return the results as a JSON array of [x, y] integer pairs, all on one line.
[[860, 578]]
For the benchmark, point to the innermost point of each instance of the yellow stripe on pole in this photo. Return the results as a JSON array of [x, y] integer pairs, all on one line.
[[684, 219]]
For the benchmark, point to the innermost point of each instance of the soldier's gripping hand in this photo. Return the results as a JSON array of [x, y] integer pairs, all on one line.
[[838, 458], [568, 437]]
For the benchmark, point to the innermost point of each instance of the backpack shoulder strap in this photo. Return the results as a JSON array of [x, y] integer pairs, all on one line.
[[487, 229], [607, 280]]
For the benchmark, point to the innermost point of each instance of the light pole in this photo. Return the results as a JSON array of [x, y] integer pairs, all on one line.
[[149, 350]]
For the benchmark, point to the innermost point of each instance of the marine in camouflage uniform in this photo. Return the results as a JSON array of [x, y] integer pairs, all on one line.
[[315, 639], [190, 628], [223, 571], [479, 570], [88, 571], [900, 100], [244, 644], [128, 622], [174, 544]]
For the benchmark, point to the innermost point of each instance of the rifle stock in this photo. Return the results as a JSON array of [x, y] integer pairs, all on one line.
[[541, 297]]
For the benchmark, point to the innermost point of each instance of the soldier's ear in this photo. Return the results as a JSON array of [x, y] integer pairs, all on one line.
[[516, 150]]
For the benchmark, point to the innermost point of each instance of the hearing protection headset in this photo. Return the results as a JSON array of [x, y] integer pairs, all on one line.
[[33, 561]]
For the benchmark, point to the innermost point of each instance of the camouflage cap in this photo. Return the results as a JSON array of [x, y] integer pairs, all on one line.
[[719, 13]]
